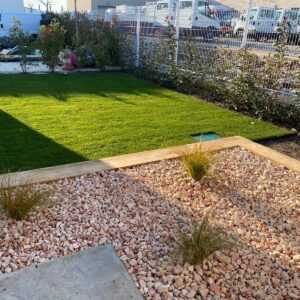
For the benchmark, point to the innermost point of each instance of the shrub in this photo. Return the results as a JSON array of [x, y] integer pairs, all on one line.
[[17, 202], [105, 44], [101, 56], [86, 57], [24, 43], [51, 42], [203, 241], [67, 21], [197, 163], [239, 80], [243, 96], [94, 41]]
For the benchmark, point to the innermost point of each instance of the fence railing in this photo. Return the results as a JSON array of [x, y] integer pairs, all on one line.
[[146, 36]]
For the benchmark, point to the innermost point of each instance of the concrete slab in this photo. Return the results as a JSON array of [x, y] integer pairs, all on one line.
[[96, 273]]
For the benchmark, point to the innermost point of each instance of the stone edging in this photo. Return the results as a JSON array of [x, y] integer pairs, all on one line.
[[127, 160]]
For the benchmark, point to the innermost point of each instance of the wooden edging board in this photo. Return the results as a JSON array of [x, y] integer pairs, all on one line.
[[87, 167]]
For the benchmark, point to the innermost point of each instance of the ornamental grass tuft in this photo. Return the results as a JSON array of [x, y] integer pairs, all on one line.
[[18, 202], [197, 162], [204, 240]]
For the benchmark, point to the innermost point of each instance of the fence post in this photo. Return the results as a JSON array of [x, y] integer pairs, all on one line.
[[138, 31], [246, 29], [177, 27]]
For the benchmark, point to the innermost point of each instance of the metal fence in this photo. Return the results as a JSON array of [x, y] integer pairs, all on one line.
[[263, 31]]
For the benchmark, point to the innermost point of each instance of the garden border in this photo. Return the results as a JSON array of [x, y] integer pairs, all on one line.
[[87, 167]]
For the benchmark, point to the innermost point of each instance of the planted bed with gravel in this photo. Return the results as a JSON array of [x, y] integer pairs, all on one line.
[[141, 211]]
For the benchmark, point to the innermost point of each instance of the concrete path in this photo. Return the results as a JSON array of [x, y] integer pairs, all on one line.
[[93, 274]]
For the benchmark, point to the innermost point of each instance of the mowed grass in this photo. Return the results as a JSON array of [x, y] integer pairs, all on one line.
[[54, 119]]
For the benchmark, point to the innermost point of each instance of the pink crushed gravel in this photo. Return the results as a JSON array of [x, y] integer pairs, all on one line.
[[140, 210]]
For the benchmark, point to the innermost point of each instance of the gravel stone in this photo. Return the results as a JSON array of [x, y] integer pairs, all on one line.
[[141, 210]]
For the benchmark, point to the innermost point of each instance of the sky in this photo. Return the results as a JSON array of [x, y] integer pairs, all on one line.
[[56, 4]]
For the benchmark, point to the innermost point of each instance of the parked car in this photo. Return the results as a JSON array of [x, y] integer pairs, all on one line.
[[16, 51], [14, 55], [6, 43]]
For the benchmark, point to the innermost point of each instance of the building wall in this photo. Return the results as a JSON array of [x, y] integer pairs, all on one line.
[[98, 7], [99, 3], [82, 5], [88, 5], [94, 5], [243, 4], [12, 5]]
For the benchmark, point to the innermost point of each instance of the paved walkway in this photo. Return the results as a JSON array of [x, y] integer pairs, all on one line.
[[93, 274]]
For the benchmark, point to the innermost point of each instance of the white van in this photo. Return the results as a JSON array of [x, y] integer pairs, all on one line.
[[30, 22], [295, 38], [262, 21], [191, 14], [162, 13], [298, 23], [289, 15], [292, 17], [224, 13], [202, 15]]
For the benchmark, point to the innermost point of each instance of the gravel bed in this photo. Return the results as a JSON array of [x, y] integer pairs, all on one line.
[[287, 145], [140, 210]]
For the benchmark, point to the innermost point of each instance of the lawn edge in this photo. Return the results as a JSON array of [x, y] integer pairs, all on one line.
[[53, 173]]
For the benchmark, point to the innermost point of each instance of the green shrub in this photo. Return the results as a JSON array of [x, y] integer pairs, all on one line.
[[197, 162], [203, 241], [101, 56], [240, 80], [244, 96], [67, 21], [86, 57], [51, 42], [24, 41], [18, 202]]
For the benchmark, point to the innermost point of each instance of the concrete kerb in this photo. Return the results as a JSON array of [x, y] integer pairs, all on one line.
[[77, 169]]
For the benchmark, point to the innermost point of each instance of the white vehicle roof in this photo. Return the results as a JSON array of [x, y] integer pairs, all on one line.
[[263, 7], [125, 9]]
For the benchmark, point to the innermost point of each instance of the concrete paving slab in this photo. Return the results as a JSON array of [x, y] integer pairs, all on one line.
[[96, 273]]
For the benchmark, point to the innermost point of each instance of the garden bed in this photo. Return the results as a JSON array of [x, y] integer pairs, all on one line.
[[289, 145], [142, 209]]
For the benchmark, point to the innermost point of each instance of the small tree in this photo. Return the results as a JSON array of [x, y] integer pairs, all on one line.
[[24, 42], [51, 42], [276, 70], [281, 44]]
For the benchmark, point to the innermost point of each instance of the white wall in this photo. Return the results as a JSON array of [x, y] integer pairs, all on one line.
[[242, 4], [11, 5]]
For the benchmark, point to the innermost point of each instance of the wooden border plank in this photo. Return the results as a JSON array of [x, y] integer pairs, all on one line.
[[77, 169]]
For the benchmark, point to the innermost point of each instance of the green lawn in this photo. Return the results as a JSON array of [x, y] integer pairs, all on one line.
[[55, 119]]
